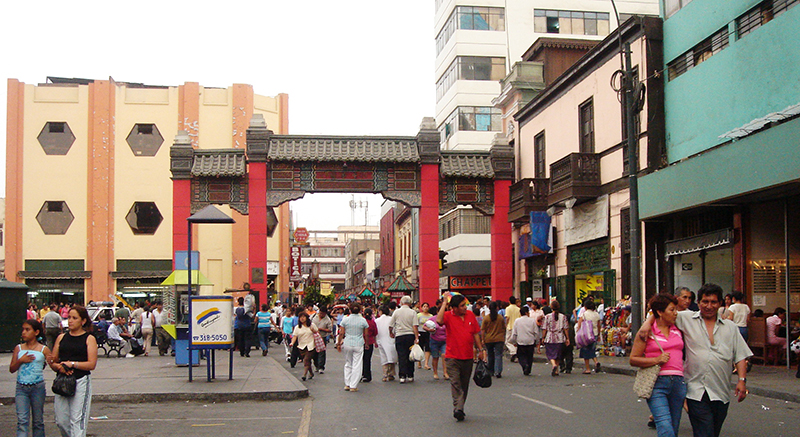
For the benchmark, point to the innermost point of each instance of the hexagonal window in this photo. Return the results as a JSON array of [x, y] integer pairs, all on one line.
[[145, 139], [56, 138], [55, 217], [144, 218]]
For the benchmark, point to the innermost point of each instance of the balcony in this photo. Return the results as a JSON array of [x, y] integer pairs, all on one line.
[[576, 176], [528, 195]]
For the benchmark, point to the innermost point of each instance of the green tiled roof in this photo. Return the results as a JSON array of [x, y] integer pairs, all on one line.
[[401, 284], [219, 163], [348, 149], [466, 164]]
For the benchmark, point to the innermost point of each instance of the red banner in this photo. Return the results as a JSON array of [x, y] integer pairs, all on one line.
[[295, 264]]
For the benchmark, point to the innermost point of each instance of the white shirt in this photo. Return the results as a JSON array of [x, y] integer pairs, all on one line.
[[525, 331], [114, 332], [740, 312], [159, 317]]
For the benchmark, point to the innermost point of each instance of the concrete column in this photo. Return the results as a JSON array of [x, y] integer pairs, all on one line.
[[502, 266], [257, 146], [429, 235]]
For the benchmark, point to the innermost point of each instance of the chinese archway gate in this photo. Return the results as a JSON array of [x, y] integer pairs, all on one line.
[[411, 170]]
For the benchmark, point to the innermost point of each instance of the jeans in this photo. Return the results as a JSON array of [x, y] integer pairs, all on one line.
[[29, 400], [495, 350], [353, 362], [72, 413], [707, 416], [402, 344], [263, 338], [666, 403], [525, 357], [460, 372], [366, 369]]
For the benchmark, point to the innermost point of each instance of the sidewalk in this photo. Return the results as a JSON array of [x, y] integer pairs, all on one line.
[[154, 378], [769, 381]]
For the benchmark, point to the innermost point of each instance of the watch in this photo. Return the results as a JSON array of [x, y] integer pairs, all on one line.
[[743, 379]]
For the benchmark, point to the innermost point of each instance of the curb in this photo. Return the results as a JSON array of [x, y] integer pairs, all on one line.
[[138, 398]]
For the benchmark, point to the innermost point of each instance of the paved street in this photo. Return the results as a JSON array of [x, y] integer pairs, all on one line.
[[514, 405]]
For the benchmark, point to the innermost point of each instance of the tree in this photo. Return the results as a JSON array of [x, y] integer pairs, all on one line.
[[312, 295]]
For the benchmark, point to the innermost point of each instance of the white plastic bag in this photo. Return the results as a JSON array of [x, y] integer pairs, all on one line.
[[416, 353]]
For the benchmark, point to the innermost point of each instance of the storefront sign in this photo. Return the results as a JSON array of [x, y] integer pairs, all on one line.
[[537, 287], [211, 320], [295, 264], [301, 236], [443, 281], [470, 282], [273, 268]]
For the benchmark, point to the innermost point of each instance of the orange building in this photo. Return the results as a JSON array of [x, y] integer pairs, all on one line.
[[93, 206]]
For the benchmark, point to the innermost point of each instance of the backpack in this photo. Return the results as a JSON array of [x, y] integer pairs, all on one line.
[[585, 336]]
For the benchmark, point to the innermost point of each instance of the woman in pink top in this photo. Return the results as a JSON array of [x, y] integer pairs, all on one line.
[[670, 389]]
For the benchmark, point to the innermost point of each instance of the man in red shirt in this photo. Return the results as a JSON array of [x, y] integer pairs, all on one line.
[[463, 334]]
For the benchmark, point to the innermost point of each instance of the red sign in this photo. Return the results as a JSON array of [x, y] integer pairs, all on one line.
[[295, 264], [301, 235], [470, 282]]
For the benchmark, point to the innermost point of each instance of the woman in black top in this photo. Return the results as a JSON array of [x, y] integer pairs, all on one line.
[[75, 352]]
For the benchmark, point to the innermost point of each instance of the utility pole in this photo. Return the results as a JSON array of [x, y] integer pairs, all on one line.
[[631, 107]]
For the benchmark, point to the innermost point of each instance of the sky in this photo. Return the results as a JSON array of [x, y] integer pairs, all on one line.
[[352, 67]]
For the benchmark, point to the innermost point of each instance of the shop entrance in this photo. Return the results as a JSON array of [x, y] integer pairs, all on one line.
[[694, 269]]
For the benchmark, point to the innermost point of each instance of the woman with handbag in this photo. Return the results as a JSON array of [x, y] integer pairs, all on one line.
[[663, 351], [303, 338], [74, 357], [588, 351]]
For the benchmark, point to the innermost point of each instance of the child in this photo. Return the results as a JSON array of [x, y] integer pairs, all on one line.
[[29, 358]]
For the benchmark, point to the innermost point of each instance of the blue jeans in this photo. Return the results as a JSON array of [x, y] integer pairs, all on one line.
[[666, 402], [29, 400], [263, 338], [495, 350]]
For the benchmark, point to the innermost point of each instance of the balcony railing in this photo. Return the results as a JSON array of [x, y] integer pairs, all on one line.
[[528, 195], [577, 176]]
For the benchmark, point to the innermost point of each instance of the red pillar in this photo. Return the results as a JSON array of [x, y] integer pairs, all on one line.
[[258, 226], [429, 234], [181, 210], [502, 249]]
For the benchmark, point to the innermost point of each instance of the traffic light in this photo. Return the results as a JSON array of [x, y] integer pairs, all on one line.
[[442, 260]]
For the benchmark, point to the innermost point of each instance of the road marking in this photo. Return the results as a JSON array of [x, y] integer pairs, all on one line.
[[200, 419], [305, 422], [544, 404], [208, 424]]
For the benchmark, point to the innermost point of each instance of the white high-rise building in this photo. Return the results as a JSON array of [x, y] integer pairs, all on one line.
[[478, 40]]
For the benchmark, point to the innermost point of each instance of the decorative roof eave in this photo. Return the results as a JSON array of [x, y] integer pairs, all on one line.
[[342, 148], [467, 164], [401, 284], [219, 163]]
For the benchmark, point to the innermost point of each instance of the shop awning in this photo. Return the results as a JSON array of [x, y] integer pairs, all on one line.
[[366, 292], [698, 243], [141, 274], [178, 277], [54, 274]]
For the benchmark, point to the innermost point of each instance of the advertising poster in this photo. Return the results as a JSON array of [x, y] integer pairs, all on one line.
[[212, 321]]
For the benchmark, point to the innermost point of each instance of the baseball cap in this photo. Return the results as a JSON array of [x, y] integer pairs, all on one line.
[[528, 300]]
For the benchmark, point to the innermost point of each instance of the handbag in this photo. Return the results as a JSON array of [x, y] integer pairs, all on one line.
[[482, 376], [585, 336], [64, 384], [646, 377], [319, 343]]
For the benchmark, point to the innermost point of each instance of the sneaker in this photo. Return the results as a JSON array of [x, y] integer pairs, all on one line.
[[321, 371], [459, 415], [402, 380]]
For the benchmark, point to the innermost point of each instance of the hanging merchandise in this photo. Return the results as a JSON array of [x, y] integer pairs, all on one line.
[[615, 331]]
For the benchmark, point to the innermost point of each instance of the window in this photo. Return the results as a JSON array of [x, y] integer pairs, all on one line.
[[699, 53], [56, 138], [470, 18], [472, 118], [586, 120], [673, 6], [762, 14], [144, 218], [540, 170], [470, 68], [55, 217], [145, 139], [571, 22]]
